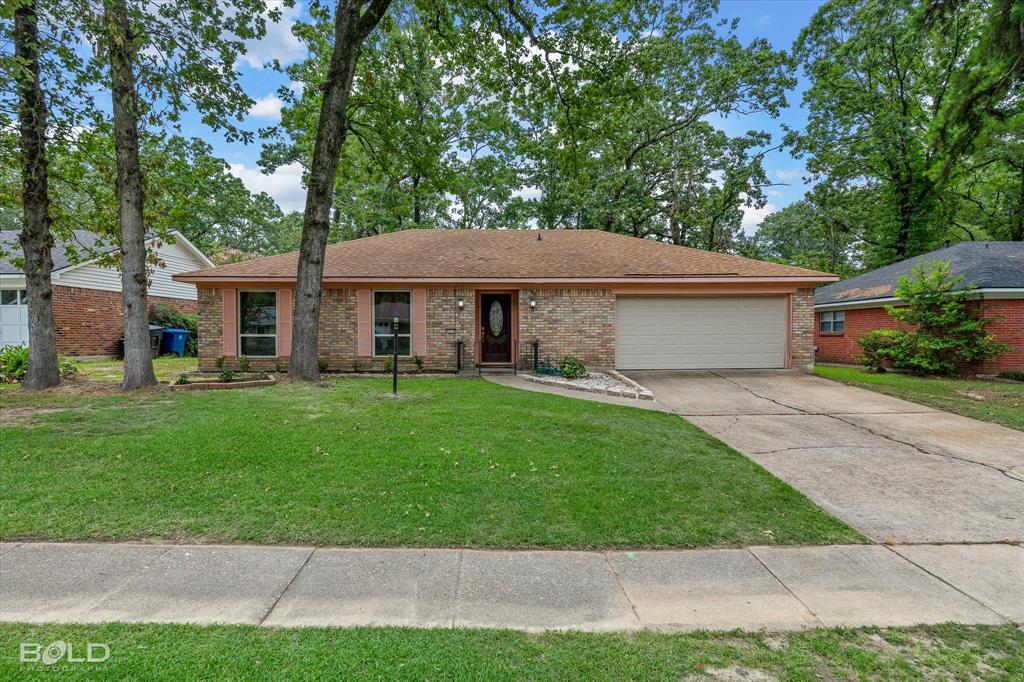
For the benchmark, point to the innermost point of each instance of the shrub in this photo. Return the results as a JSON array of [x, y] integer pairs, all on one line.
[[226, 375], [169, 316], [389, 364], [244, 364], [14, 364], [321, 365], [419, 363], [947, 330], [1012, 376], [66, 366], [182, 380], [880, 348], [571, 368], [219, 362]]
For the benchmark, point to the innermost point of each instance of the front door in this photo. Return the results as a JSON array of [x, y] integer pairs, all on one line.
[[496, 328]]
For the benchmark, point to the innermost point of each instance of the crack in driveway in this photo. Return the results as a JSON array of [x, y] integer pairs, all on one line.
[[1010, 474]]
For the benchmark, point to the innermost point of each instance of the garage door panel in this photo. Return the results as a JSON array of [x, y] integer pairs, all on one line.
[[701, 332]]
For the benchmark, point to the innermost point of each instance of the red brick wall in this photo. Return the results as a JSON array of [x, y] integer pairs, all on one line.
[[90, 321], [843, 348], [1009, 329]]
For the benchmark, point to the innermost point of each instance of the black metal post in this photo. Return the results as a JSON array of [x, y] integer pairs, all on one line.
[[394, 355], [536, 355]]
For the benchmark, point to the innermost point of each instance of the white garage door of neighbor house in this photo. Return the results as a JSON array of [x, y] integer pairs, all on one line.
[[696, 332], [13, 318]]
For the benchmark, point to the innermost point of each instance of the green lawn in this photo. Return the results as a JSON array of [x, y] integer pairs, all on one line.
[[452, 462], [167, 368], [993, 401], [176, 652]]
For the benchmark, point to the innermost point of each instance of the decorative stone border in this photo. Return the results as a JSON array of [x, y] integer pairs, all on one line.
[[221, 385], [635, 390]]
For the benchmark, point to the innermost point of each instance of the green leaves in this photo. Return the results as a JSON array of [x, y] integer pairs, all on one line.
[[944, 329]]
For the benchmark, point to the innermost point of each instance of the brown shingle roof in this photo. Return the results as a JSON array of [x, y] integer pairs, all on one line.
[[510, 254]]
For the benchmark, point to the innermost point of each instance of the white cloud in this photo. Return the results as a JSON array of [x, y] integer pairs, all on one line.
[[788, 173], [753, 216], [774, 193], [278, 43], [528, 193], [267, 107], [284, 184]]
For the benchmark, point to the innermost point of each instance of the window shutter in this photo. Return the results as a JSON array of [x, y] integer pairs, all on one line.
[[364, 322], [284, 322], [419, 322], [229, 327]]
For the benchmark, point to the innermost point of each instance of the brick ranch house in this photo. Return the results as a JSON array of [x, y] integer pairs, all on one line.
[[610, 300], [846, 310], [88, 310]]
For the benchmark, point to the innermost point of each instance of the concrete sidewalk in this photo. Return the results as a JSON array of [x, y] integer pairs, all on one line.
[[775, 588]]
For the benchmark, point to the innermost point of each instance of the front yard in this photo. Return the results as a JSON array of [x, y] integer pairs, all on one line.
[[174, 652], [452, 462], [994, 401]]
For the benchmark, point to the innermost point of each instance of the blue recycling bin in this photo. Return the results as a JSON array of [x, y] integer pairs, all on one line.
[[174, 342]]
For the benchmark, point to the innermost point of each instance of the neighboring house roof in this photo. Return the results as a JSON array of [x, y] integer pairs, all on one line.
[[983, 265], [83, 247], [87, 245], [446, 255]]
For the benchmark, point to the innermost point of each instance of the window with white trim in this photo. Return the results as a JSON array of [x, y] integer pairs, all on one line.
[[833, 322], [257, 323], [385, 305]]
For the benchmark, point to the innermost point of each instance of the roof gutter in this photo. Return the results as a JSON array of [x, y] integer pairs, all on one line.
[[1003, 292], [197, 278]]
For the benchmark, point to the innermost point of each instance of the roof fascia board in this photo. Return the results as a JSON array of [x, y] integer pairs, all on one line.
[[889, 300], [519, 281]]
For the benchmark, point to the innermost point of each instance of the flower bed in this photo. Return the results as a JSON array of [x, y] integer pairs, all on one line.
[[609, 383], [212, 384]]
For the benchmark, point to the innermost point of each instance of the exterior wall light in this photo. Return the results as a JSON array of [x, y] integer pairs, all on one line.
[[460, 302], [533, 302]]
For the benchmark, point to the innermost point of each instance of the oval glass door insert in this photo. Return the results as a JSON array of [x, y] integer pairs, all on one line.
[[496, 318]]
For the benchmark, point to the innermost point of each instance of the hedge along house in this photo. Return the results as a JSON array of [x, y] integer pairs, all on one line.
[[845, 310], [88, 310], [471, 298]]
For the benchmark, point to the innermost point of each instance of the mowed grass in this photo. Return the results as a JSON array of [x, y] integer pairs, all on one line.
[[452, 462], [167, 368], [181, 652], [993, 401]]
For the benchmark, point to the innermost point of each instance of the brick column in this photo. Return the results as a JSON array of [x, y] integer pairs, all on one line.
[[803, 330]]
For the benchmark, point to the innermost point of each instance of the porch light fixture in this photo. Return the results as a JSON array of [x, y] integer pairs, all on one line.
[[533, 302], [460, 302]]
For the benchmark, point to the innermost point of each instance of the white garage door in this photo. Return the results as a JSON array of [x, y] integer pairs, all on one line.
[[696, 332], [13, 317]]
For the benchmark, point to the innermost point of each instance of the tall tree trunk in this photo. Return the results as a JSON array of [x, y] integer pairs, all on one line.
[[350, 30], [36, 239], [138, 362]]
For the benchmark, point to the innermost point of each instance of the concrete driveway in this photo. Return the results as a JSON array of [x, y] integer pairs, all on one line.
[[895, 470]]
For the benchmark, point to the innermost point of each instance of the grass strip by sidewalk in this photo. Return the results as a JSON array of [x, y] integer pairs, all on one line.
[[179, 652], [992, 401], [451, 462]]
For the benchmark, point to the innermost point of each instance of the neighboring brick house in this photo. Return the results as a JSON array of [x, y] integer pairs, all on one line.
[[608, 299], [845, 310], [88, 310]]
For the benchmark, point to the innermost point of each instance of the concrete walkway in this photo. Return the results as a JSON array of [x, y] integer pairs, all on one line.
[[893, 469], [775, 588]]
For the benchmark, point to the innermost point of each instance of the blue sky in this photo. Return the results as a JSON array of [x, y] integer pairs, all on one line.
[[779, 21]]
